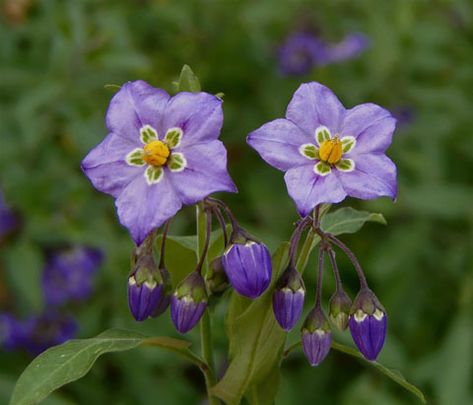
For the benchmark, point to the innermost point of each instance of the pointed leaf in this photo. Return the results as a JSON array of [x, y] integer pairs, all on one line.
[[188, 81], [348, 220], [70, 361]]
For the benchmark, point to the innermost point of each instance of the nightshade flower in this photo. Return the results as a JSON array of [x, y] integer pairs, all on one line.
[[288, 298], [188, 303], [161, 152], [316, 337], [348, 48], [368, 324], [68, 275], [247, 264], [327, 151]]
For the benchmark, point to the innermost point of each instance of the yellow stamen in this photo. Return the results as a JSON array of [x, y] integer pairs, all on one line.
[[331, 151], [156, 153]]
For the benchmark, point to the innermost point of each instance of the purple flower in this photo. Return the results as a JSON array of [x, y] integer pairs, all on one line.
[[368, 324], [37, 333], [348, 48], [316, 337], [288, 298], [68, 275], [300, 52], [11, 332], [8, 219], [328, 152], [146, 289], [247, 264], [161, 152], [47, 330], [188, 302]]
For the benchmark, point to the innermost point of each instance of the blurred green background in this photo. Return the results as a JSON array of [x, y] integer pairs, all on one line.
[[57, 55]]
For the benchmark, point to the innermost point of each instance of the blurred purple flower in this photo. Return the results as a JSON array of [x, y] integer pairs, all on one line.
[[43, 331], [404, 115], [8, 219], [68, 275], [348, 48], [37, 333], [302, 51]]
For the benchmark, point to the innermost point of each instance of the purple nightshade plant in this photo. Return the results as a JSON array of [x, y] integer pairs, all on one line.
[[160, 152], [69, 275], [327, 151], [163, 152]]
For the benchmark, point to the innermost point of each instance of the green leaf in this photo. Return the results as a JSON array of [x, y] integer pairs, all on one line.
[[256, 342], [188, 81], [348, 220], [394, 375], [70, 361]]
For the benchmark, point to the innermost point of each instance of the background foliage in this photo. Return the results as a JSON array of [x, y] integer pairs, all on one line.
[[55, 58]]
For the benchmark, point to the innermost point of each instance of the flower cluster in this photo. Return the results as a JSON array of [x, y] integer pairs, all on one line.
[[67, 277], [162, 152], [302, 51], [329, 153]]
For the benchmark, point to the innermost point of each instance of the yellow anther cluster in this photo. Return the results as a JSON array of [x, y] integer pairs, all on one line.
[[331, 151], [156, 153]]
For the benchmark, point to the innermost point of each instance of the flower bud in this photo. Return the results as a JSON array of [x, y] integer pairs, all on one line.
[[368, 321], [188, 302], [216, 279], [145, 288], [165, 299], [288, 298], [316, 337], [340, 305], [247, 264]]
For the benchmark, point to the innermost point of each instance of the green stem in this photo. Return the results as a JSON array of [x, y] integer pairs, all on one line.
[[205, 322], [305, 251]]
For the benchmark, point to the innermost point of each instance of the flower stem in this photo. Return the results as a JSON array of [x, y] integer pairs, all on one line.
[[333, 262], [296, 235], [320, 276], [205, 322], [352, 257], [305, 251], [163, 244]]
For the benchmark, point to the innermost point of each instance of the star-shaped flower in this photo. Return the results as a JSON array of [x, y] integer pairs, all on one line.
[[327, 151], [161, 152]]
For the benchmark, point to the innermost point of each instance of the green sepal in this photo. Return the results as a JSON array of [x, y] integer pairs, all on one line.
[[188, 81]]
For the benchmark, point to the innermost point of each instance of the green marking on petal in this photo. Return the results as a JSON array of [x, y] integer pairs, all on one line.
[[348, 143], [148, 134], [177, 162], [173, 137], [345, 165], [153, 174], [322, 134], [322, 169], [309, 151], [135, 157]]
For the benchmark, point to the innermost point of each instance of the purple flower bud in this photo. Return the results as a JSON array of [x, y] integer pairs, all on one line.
[[165, 299], [145, 288], [247, 264], [288, 298], [340, 305], [368, 322], [216, 279], [316, 337], [188, 302]]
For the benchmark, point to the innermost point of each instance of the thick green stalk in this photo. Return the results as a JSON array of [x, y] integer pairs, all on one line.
[[205, 322], [305, 251]]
